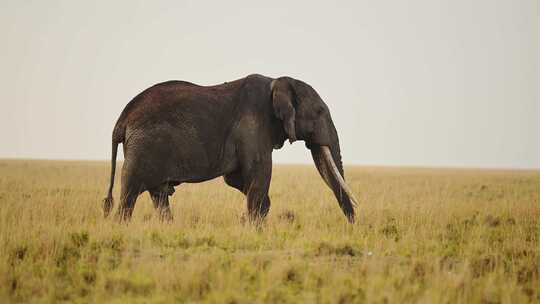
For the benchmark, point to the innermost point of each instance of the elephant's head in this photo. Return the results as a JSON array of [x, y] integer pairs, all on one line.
[[306, 117]]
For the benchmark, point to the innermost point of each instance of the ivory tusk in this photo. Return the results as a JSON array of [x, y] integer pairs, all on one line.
[[330, 160]]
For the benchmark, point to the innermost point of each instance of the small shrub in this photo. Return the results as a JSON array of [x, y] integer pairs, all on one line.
[[483, 265], [390, 230], [340, 250], [528, 273], [79, 239], [492, 221], [18, 254], [287, 216]]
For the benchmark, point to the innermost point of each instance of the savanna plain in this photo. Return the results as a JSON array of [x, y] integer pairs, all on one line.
[[422, 235]]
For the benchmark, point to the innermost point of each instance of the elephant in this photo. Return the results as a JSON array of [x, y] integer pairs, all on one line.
[[180, 132]]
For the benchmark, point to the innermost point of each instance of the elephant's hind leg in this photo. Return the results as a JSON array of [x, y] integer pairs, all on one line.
[[131, 188], [160, 198], [128, 197]]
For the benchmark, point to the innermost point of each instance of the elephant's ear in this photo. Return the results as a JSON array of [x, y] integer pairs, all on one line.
[[282, 101]]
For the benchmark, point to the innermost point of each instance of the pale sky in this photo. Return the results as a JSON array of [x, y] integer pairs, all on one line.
[[427, 83]]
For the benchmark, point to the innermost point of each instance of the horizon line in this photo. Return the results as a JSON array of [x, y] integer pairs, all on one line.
[[365, 165]]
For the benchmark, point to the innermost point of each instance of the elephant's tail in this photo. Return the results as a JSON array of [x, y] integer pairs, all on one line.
[[108, 202]]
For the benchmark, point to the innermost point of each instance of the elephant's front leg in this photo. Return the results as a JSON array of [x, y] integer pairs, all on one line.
[[256, 187]]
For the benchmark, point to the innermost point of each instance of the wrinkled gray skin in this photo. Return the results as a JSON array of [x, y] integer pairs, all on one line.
[[178, 132]]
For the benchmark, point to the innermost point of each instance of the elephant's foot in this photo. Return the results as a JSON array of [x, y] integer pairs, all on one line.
[[165, 215]]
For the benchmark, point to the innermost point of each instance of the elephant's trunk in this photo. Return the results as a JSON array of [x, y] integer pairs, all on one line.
[[328, 162]]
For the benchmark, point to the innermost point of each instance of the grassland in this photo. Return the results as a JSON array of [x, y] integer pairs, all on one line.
[[422, 235]]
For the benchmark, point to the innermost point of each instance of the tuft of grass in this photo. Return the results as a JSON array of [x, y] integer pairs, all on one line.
[[422, 235]]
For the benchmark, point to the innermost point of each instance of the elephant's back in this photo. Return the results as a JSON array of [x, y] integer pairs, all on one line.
[[174, 100]]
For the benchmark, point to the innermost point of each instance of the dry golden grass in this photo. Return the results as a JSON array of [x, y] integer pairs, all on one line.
[[422, 235]]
